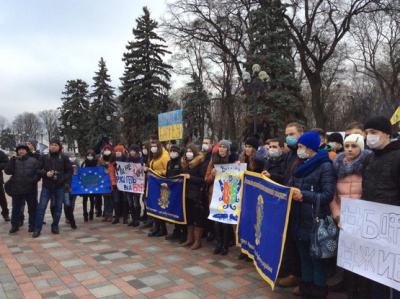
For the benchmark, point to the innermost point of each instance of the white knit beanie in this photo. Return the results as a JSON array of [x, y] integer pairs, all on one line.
[[357, 138]]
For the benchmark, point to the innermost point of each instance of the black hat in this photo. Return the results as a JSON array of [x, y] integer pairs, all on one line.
[[56, 141], [380, 123], [22, 145], [253, 142], [134, 147], [336, 137], [175, 148]]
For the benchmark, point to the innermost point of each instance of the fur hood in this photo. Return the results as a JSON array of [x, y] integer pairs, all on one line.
[[195, 162], [343, 170]]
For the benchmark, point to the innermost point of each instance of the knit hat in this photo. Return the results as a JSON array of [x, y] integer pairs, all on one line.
[[69, 154], [336, 137], [225, 143], [119, 148], [310, 140], [56, 141], [22, 145], [33, 142], [380, 123], [175, 148], [107, 147], [253, 142], [134, 147], [357, 138]]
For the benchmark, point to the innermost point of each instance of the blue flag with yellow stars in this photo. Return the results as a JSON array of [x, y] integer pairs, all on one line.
[[91, 180], [166, 198]]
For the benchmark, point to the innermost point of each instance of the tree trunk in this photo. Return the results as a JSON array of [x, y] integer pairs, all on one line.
[[316, 100]]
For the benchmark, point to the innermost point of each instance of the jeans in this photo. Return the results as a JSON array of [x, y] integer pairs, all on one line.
[[133, 199], [45, 195], [18, 203], [108, 205]]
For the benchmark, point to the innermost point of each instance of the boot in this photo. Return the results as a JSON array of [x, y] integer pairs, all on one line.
[[117, 207], [98, 205], [70, 215], [190, 236], [218, 238], [85, 216], [163, 229], [184, 233], [105, 219], [109, 218], [319, 292], [91, 216], [156, 229], [125, 210], [132, 210], [225, 239], [135, 217], [198, 233], [305, 289]]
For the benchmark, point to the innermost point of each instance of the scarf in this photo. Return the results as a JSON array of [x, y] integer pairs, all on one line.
[[344, 168], [308, 166]]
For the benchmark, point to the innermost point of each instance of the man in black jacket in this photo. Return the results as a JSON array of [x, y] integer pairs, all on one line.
[[25, 175], [56, 171], [3, 201], [381, 177], [276, 158]]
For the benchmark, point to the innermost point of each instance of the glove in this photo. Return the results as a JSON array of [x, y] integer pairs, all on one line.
[[114, 188]]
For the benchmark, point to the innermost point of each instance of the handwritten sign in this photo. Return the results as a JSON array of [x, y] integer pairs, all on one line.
[[170, 125], [224, 205], [369, 242], [130, 177]]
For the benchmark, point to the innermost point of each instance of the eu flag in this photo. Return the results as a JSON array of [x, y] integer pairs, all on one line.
[[91, 180]]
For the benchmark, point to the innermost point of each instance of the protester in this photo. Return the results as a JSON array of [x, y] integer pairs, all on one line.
[[328, 146], [56, 171], [104, 161], [32, 144], [69, 199], [313, 179], [274, 164], [194, 168], [380, 178], [222, 230], [148, 221], [348, 167], [158, 159], [335, 141], [90, 161], [133, 199], [3, 201], [25, 174]]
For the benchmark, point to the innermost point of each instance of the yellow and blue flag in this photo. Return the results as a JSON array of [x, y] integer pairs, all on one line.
[[396, 116]]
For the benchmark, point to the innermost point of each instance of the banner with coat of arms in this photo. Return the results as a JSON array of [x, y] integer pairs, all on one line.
[[263, 221], [91, 180], [224, 205], [166, 197]]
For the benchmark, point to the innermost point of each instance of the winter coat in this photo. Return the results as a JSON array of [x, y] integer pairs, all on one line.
[[275, 167], [3, 164], [196, 168], [112, 167], [57, 162], [316, 180], [174, 167], [25, 173], [89, 163], [159, 166], [348, 179], [381, 175], [287, 166], [258, 160]]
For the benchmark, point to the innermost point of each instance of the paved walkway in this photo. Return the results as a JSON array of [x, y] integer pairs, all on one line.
[[115, 261]]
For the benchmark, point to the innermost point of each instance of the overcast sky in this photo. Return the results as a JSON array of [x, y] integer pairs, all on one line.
[[44, 43]]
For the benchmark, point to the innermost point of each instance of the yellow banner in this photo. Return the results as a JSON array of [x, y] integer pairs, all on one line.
[[171, 132]]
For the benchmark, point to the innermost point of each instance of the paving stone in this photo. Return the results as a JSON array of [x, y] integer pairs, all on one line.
[[105, 291], [154, 280], [181, 295]]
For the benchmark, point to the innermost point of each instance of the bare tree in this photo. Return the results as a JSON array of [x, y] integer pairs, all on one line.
[[26, 125], [317, 28], [49, 119], [3, 123]]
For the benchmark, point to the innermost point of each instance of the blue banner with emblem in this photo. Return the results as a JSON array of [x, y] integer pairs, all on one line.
[[263, 221], [91, 180], [166, 198]]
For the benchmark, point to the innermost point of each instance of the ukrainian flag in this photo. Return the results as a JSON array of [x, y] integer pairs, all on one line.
[[396, 116]]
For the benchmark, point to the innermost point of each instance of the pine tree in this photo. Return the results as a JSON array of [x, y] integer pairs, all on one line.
[[74, 115], [145, 82], [103, 106], [196, 111], [280, 102]]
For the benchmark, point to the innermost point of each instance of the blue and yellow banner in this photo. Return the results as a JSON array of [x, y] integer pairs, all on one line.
[[170, 125], [166, 197], [91, 180], [262, 223]]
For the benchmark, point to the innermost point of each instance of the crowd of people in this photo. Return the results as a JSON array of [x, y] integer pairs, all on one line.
[[364, 163]]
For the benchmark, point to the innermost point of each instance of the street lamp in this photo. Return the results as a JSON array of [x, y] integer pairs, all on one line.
[[256, 82]]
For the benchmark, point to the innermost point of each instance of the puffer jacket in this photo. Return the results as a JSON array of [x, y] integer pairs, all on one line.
[[381, 175], [349, 179], [275, 167], [57, 162], [174, 167], [25, 174], [159, 166], [197, 170], [318, 185]]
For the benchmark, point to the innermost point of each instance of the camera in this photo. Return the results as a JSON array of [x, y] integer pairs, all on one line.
[[55, 175]]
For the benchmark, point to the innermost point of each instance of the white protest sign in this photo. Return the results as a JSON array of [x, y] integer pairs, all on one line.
[[369, 241], [130, 177]]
